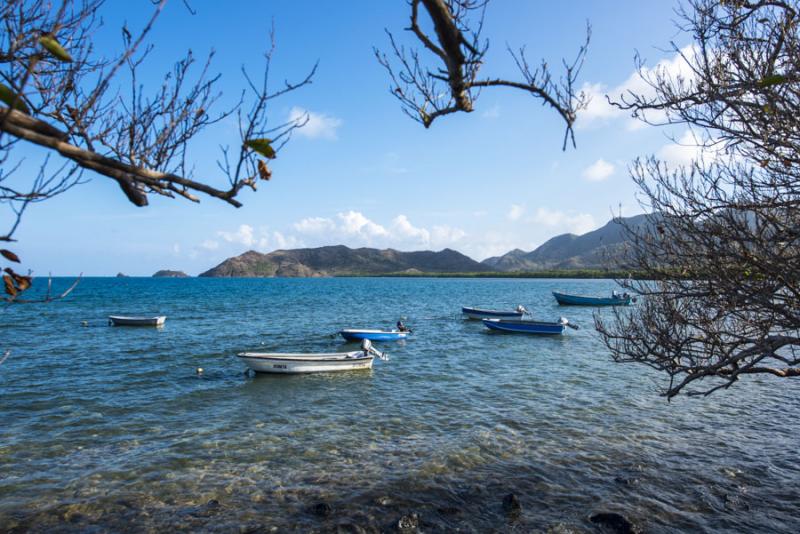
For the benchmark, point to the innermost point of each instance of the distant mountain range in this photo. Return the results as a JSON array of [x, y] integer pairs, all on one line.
[[594, 250], [340, 260]]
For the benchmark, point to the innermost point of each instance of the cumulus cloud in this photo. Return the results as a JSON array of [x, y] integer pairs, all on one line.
[[576, 223], [600, 111], [687, 148], [244, 235], [314, 225], [401, 226], [515, 212], [356, 229], [598, 171], [315, 125], [355, 223]]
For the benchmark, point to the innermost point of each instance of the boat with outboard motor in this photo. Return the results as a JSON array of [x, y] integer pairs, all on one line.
[[616, 299], [297, 363], [546, 328], [356, 334]]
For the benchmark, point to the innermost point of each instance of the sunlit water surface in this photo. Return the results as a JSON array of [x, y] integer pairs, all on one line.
[[110, 429]]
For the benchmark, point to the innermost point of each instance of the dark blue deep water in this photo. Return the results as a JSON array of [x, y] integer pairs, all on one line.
[[109, 429]]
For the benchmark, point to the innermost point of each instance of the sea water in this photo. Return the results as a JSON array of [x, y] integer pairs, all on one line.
[[111, 428]]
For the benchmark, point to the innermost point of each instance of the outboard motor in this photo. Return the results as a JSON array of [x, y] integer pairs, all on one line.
[[366, 346], [522, 309], [563, 320]]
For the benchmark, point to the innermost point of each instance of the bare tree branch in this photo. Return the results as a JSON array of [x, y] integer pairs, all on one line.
[[722, 248], [460, 49]]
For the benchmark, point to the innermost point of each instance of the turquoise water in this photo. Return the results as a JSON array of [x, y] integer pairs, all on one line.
[[109, 429]]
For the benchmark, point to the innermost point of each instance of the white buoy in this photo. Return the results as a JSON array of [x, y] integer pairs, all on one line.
[[84, 323], [199, 371]]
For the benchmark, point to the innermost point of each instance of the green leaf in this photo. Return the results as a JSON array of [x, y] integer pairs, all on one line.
[[772, 79], [51, 45], [8, 96], [262, 146]]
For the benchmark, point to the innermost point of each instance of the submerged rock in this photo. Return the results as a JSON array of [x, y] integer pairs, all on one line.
[[408, 523], [614, 522], [384, 500], [322, 509], [511, 504], [350, 528]]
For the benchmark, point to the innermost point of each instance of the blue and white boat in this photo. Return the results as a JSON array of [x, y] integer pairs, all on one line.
[[542, 328], [480, 313], [576, 300], [357, 334]]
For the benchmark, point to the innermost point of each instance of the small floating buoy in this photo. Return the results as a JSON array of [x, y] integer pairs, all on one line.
[[84, 323], [199, 371]]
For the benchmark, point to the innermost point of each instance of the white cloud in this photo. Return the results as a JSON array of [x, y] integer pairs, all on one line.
[[209, 244], [314, 225], [176, 249], [688, 148], [598, 171], [401, 226], [355, 223], [285, 241], [515, 212], [315, 125], [353, 228], [244, 236], [576, 223], [600, 111], [443, 236]]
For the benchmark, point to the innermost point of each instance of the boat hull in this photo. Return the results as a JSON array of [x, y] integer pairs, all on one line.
[[540, 328], [373, 335], [478, 314], [577, 300], [120, 320], [304, 363]]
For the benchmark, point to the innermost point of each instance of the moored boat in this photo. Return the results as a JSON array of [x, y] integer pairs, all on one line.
[[545, 328], [297, 363], [480, 313], [357, 334], [124, 320], [615, 299]]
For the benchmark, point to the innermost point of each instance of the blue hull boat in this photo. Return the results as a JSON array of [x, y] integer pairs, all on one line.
[[478, 313], [542, 328], [577, 300], [355, 334]]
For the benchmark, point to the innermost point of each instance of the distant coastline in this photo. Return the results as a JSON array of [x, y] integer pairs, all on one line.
[[577, 274]]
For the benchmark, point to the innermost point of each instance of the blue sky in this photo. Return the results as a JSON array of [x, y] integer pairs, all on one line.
[[361, 173]]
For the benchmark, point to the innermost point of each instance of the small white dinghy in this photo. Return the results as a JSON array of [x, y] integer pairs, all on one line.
[[295, 363], [122, 320]]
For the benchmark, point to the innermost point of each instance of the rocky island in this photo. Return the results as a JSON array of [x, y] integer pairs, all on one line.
[[166, 273]]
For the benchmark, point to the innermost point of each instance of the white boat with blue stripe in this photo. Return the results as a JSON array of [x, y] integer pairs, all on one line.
[[481, 313]]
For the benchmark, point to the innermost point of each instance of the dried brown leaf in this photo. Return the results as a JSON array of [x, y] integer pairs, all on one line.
[[10, 256]]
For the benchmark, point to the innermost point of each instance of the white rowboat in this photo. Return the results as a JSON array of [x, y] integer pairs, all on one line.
[[294, 363], [274, 362], [121, 320]]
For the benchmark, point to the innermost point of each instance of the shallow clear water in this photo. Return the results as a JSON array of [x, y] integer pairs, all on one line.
[[110, 429]]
